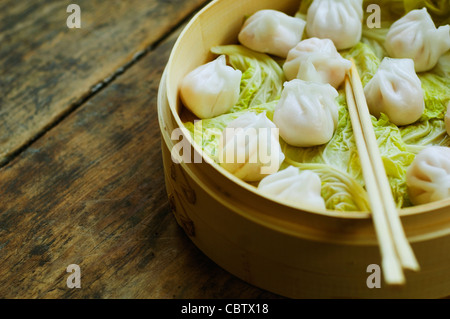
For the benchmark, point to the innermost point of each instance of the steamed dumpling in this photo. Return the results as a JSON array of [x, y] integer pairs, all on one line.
[[307, 113], [211, 89], [250, 147], [338, 20], [447, 119], [396, 91], [428, 177], [294, 187], [415, 36], [272, 32], [442, 67], [316, 60]]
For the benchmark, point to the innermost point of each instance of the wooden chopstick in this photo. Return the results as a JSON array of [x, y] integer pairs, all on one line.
[[391, 265], [404, 250]]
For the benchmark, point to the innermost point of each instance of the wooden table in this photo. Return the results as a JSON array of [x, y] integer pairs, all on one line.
[[81, 177]]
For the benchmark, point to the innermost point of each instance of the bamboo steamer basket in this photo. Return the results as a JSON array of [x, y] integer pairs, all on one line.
[[296, 253]]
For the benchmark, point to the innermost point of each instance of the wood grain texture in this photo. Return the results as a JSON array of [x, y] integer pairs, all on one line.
[[91, 192], [47, 68]]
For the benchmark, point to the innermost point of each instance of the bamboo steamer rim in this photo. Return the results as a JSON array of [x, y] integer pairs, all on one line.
[[318, 233], [171, 86]]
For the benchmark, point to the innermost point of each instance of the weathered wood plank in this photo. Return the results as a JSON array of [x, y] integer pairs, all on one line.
[[45, 67], [91, 192]]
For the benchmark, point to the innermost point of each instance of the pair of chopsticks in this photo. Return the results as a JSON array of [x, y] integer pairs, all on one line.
[[396, 253]]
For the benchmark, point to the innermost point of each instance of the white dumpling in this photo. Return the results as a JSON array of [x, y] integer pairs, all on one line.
[[338, 20], [294, 187], [442, 67], [211, 89], [428, 177], [316, 60], [272, 32], [307, 113], [250, 147], [415, 36], [396, 91], [447, 119]]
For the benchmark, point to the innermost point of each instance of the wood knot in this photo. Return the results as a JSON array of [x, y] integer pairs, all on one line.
[[188, 227], [172, 204], [190, 195]]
